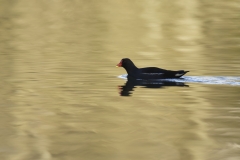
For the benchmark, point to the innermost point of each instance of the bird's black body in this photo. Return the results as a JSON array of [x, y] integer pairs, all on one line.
[[148, 72]]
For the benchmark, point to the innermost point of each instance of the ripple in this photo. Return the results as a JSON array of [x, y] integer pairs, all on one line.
[[224, 80]]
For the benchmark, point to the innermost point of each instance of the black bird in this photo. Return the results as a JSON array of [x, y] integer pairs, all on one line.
[[148, 72]]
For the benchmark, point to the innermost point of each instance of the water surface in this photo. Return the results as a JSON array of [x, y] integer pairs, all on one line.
[[60, 89]]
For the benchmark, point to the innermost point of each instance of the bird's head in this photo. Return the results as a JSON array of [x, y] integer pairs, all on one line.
[[124, 63]]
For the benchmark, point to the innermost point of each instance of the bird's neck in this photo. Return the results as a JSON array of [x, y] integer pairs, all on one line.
[[131, 69]]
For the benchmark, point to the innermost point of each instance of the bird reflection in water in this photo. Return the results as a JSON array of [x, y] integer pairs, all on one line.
[[128, 88]]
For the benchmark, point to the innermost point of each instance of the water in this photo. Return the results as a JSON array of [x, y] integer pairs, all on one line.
[[224, 80], [61, 97]]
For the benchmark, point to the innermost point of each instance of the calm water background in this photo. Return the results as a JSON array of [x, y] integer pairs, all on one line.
[[59, 96]]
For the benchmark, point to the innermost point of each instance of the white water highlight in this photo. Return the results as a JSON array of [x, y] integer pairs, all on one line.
[[220, 80]]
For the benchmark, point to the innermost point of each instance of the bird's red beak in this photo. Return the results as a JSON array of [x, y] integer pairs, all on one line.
[[119, 64]]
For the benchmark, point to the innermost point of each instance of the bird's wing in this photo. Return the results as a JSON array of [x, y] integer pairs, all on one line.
[[152, 70]]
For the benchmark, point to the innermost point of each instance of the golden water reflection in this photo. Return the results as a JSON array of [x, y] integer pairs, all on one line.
[[59, 96]]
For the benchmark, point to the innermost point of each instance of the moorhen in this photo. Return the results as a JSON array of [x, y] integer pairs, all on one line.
[[148, 72]]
